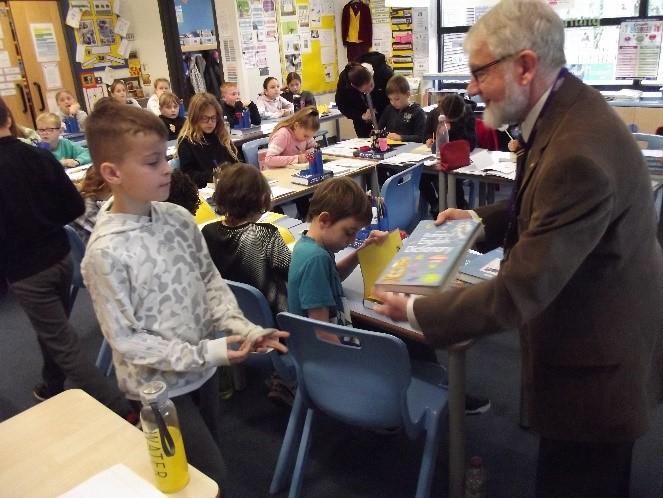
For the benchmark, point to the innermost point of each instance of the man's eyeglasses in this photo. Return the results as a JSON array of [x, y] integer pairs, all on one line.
[[209, 119], [44, 130], [479, 73]]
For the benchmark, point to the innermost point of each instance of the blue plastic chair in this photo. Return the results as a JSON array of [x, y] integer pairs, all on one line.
[[651, 141], [254, 306], [371, 386], [250, 150], [401, 198]]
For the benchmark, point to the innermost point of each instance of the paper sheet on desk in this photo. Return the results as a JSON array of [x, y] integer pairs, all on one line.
[[267, 128], [345, 148], [118, 480], [347, 163], [279, 191], [652, 153], [405, 157]]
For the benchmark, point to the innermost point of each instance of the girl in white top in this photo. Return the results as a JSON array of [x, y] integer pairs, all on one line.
[[118, 91], [161, 86], [270, 103]]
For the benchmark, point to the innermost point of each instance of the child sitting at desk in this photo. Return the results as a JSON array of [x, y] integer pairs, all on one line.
[[95, 191], [161, 86], [404, 120], [461, 125], [169, 108], [270, 103], [339, 209], [156, 293], [292, 139], [232, 104], [204, 143], [118, 92], [69, 153], [241, 248], [68, 107], [294, 87]]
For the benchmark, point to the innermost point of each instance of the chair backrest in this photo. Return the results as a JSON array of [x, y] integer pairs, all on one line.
[[361, 385], [77, 252], [486, 137], [253, 304], [401, 197], [651, 141], [250, 150]]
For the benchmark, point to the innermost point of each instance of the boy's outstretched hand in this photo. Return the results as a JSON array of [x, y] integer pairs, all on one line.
[[271, 341]]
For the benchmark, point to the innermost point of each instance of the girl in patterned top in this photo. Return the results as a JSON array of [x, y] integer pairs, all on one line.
[[241, 248]]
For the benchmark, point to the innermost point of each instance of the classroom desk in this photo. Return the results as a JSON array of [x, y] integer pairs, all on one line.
[[59, 443], [353, 287], [283, 178]]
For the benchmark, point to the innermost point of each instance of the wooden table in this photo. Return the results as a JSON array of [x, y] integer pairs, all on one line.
[[50, 448], [353, 287]]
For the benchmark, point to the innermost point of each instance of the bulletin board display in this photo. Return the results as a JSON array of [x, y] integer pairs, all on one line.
[[402, 55], [97, 42], [308, 43]]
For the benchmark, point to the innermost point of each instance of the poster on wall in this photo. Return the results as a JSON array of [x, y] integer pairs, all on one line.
[[402, 44], [97, 42], [195, 24], [639, 49], [46, 46]]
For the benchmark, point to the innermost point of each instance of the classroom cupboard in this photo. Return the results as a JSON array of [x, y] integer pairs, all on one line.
[[34, 63]]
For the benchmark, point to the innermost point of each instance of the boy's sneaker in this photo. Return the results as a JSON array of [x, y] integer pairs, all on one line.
[[475, 405], [42, 392]]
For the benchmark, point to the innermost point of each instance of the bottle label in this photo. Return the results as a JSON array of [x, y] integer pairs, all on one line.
[[171, 473]]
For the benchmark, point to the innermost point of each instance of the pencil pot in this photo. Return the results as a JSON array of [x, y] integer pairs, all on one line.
[[71, 125], [246, 119], [164, 440]]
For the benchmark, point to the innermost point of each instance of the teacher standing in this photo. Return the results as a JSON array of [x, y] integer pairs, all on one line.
[[582, 275], [369, 76]]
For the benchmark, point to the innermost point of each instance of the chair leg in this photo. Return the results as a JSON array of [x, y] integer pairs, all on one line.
[[429, 457], [300, 465], [285, 462], [105, 358]]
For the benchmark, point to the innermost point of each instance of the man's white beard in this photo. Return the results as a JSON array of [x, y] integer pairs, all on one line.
[[512, 109]]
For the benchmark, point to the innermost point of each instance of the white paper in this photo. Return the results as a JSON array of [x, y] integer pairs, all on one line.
[[405, 157], [279, 191], [327, 55], [7, 86], [118, 480], [108, 76], [124, 48], [4, 59], [51, 75], [652, 153], [326, 37], [80, 53], [122, 27], [348, 163], [337, 170], [13, 77], [73, 18], [46, 46], [8, 93], [117, 7], [12, 70]]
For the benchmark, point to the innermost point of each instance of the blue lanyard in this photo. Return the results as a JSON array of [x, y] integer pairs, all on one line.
[[561, 76]]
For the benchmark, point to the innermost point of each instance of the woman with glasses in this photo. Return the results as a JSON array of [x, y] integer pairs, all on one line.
[[204, 144]]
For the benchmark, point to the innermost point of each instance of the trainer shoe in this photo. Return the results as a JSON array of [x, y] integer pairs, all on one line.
[[475, 405], [42, 392]]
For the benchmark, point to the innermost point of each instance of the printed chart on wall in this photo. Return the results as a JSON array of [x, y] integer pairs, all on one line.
[[257, 29], [639, 49], [308, 43], [402, 41], [99, 32]]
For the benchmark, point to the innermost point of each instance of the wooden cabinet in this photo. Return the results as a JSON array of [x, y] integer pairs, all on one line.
[[647, 118], [38, 63]]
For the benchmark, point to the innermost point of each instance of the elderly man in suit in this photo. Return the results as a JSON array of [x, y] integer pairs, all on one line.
[[582, 276]]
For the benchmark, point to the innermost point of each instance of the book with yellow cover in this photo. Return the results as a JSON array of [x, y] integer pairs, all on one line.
[[374, 258]]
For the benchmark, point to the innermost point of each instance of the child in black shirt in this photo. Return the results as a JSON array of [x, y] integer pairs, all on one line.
[[169, 106]]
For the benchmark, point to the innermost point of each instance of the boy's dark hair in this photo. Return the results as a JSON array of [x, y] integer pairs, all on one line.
[[342, 198], [110, 127], [267, 80], [452, 105], [241, 191], [4, 113], [397, 84], [183, 192], [358, 75], [292, 77], [104, 101]]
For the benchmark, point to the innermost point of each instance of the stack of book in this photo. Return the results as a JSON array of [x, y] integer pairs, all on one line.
[[314, 173]]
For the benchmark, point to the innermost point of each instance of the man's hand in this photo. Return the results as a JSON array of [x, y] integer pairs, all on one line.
[[367, 116], [237, 355], [271, 341], [393, 305], [452, 214], [394, 136]]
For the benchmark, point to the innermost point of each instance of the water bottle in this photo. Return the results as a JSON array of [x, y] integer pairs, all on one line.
[[164, 439], [475, 479], [441, 135], [297, 101], [226, 124], [71, 124]]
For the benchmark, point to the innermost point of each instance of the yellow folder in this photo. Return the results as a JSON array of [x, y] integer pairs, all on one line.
[[205, 213], [374, 258]]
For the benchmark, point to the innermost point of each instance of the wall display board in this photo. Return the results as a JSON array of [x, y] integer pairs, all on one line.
[[639, 49], [381, 28], [308, 42], [99, 32], [402, 59], [257, 29]]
